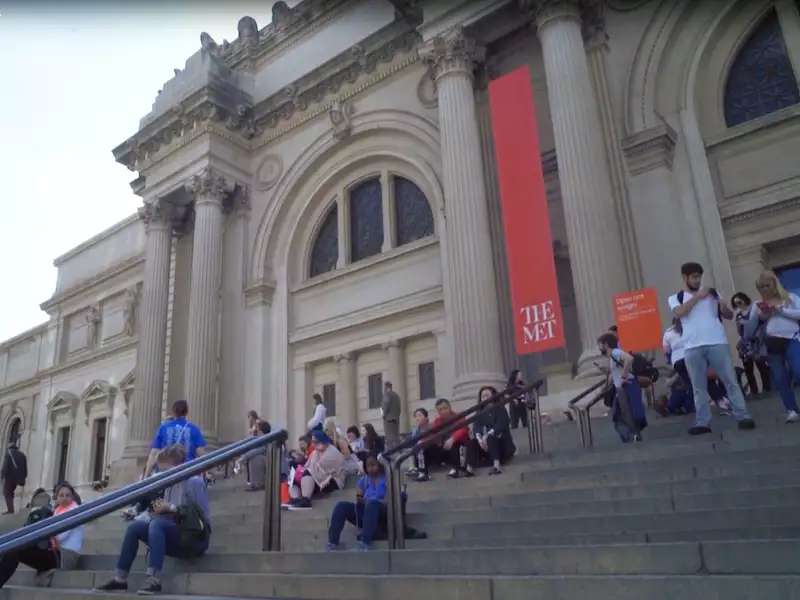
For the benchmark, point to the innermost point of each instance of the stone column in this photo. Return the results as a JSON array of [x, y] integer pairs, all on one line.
[[596, 256], [145, 410], [396, 356], [346, 393], [209, 190], [470, 279]]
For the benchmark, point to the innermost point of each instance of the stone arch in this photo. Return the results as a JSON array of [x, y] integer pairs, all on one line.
[[387, 132], [16, 416]]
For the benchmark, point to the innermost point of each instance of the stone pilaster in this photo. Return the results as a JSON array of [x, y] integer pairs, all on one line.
[[470, 275], [346, 392], [145, 410], [596, 254], [396, 359], [209, 190]]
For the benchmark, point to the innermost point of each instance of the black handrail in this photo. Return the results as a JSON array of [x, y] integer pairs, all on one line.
[[586, 392], [104, 505], [435, 433]]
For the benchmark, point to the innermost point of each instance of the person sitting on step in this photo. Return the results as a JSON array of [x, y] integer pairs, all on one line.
[[323, 472], [374, 444], [162, 533], [61, 551], [492, 434], [366, 513], [254, 461], [451, 449], [420, 470], [352, 465]]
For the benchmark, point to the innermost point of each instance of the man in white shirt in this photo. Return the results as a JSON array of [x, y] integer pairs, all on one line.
[[701, 311]]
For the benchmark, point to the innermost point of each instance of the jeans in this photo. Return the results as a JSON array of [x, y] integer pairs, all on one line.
[[367, 514], [782, 376], [36, 558], [518, 413], [718, 357], [160, 534]]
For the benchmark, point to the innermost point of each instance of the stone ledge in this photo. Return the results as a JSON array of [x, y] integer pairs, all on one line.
[[650, 149]]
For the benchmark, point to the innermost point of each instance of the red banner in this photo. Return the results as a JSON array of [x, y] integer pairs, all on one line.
[[538, 322], [638, 321]]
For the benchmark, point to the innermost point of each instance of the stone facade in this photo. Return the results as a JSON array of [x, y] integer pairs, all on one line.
[[321, 214]]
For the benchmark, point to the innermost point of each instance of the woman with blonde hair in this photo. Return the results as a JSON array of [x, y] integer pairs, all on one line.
[[780, 311]]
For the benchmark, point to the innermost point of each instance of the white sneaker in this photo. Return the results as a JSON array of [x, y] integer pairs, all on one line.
[[792, 417]]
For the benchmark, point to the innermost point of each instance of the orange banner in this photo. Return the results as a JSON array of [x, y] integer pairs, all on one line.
[[638, 321], [538, 323]]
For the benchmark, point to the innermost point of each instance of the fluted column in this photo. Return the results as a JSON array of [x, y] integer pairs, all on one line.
[[596, 256], [145, 409], [396, 356], [346, 393], [470, 274], [209, 190]]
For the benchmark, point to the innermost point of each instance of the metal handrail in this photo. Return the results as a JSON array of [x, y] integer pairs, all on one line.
[[129, 494], [392, 459], [583, 413]]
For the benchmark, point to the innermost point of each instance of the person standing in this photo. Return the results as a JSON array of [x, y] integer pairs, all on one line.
[[701, 310], [751, 348], [517, 409], [320, 414], [780, 310], [14, 473], [390, 411], [177, 430]]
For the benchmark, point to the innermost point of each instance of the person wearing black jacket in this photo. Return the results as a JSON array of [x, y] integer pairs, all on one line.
[[518, 412], [14, 473], [492, 434]]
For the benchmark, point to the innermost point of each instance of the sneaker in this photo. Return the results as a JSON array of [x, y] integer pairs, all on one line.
[[422, 477], [747, 424], [412, 472], [331, 547], [301, 504], [792, 416], [363, 547], [453, 474], [699, 430], [150, 586], [637, 437], [113, 586]]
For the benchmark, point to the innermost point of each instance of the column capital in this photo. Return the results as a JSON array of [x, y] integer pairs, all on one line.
[[210, 186], [544, 12], [452, 53], [391, 344], [156, 214], [344, 357]]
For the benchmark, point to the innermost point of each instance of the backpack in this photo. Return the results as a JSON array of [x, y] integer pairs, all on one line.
[[642, 367], [194, 530], [39, 514]]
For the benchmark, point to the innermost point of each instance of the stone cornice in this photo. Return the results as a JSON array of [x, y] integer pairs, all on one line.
[[87, 284], [650, 149], [259, 294], [773, 208], [250, 127], [34, 381], [98, 354], [29, 334], [96, 239], [452, 52]]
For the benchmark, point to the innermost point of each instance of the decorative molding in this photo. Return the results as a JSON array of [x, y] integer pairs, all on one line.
[[344, 357], [426, 90], [89, 283], [269, 172], [340, 114], [452, 52], [209, 185], [129, 305], [82, 359], [62, 403], [259, 294], [99, 392], [650, 149], [544, 12], [776, 207]]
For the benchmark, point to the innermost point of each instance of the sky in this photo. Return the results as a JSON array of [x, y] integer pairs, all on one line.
[[75, 78]]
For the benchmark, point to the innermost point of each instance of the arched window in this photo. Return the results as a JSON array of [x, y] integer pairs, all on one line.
[[366, 219], [326, 248], [413, 216], [761, 79]]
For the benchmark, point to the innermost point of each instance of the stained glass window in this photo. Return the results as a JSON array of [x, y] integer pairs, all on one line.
[[761, 79], [413, 214], [366, 220], [326, 248]]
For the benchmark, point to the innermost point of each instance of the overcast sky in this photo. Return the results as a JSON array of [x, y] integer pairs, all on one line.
[[75, 78]]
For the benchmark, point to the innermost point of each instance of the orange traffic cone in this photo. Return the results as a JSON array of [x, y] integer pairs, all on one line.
[[284, 492]]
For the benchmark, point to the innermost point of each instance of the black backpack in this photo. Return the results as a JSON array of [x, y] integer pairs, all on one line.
[[643, 367], [37, 514], [194, 530]]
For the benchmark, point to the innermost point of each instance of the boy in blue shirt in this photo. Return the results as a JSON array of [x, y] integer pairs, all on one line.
[[177, 430], [367, 511]]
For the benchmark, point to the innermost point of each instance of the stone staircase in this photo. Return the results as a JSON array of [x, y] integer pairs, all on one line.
[[672, 517]]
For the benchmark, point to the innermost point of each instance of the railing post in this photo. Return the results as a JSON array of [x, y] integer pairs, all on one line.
[[391, 516], [535, 435], [584, 427], [397, 501], [271, 533]]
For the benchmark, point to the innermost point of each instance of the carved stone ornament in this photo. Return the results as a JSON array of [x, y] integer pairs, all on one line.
[[426, 90], [93, 320], [542, 12], [248, 30], [453, 52], [208, 185], [129, 311], [155, 213], [269, 172], [340, 113], [282, 15]]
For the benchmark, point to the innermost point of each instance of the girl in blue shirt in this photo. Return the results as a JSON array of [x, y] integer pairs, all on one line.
[[367, 511]]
